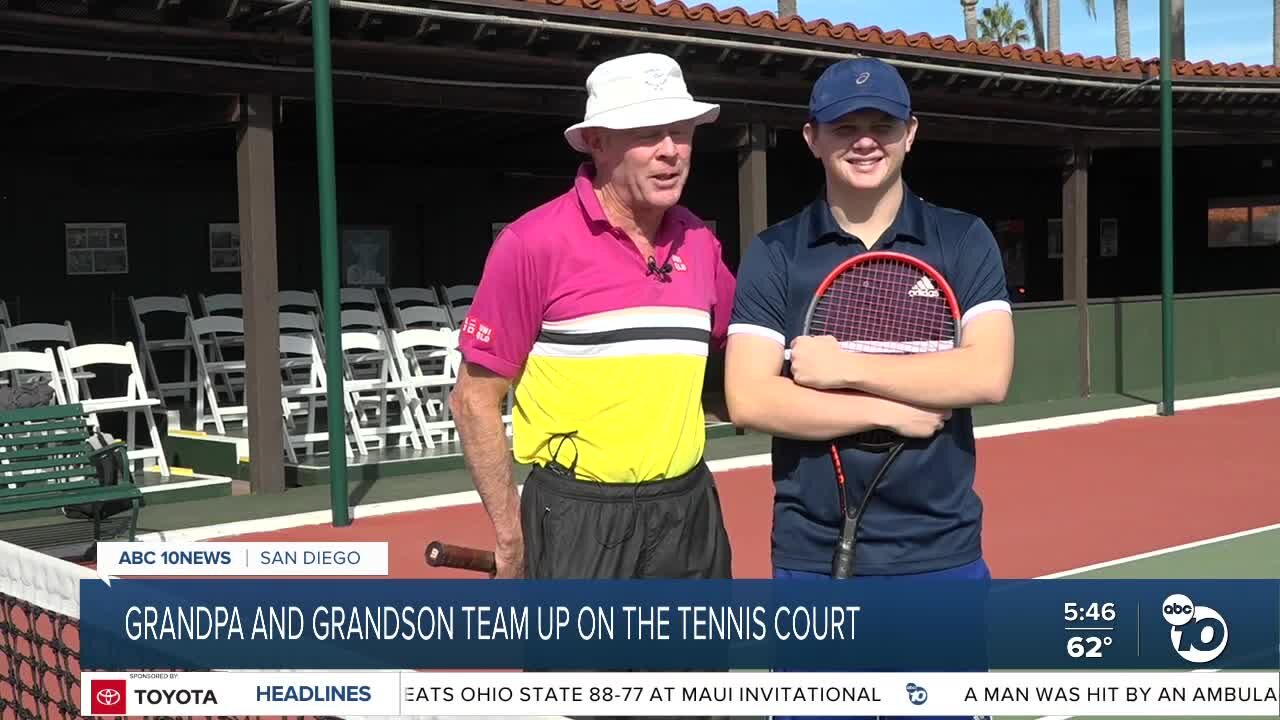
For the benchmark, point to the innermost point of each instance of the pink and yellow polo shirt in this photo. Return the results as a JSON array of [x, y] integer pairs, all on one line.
[[596, 344]]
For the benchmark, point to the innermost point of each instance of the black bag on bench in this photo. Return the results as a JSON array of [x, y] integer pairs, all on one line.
[[108, 465]]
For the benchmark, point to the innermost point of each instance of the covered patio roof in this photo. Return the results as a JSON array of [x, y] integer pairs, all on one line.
[[531, 56]]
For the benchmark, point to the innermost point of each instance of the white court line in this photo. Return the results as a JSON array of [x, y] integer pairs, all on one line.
[[1158, 553], [471, 497]]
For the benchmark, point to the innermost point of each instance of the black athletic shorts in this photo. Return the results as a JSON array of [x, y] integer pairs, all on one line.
[[581, 529]]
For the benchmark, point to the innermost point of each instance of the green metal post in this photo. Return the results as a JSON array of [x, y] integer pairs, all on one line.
[[1166, 204], [327, 180]]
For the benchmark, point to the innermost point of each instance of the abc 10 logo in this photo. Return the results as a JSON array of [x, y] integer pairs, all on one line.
[[1198, 632]]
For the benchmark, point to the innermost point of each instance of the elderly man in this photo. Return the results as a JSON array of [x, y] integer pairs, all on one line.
[[601, 306]]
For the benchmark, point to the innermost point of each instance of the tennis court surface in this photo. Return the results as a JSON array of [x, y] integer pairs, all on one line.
[[1191, 496]]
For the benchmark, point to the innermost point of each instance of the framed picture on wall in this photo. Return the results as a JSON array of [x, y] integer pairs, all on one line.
[[1109, 237], [1055, 238], [224, 247], [96, 248], [366, 256]]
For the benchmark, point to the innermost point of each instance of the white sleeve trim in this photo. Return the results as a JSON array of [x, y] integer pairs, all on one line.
[[985, 307], [757, 330]]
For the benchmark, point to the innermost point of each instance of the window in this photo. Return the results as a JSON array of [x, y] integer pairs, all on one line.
[[1244, 222]]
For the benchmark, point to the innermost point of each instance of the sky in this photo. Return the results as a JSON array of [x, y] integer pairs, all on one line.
[[1217, 30]]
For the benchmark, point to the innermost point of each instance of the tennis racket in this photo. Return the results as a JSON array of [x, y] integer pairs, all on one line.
[[879, 302], [462, 558]]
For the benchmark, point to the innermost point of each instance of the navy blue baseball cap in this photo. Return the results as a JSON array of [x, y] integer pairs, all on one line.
[[859, 84]]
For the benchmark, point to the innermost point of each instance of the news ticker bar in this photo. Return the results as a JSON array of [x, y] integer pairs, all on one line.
[[408, 694]]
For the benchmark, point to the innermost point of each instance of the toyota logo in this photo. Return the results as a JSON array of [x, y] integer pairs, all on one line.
[[109, 696]]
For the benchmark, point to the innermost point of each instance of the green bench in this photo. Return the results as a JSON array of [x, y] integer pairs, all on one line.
[[46, 463]]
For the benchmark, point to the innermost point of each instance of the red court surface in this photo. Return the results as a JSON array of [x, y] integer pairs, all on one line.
[[1054, 500]]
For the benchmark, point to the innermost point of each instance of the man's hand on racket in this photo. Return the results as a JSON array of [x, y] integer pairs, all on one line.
[[820, 363], [508, 556]]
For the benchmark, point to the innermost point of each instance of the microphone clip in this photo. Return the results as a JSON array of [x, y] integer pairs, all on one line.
[[663, 273]]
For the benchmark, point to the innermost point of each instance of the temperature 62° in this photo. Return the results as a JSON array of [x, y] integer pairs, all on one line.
[[1087, 646]]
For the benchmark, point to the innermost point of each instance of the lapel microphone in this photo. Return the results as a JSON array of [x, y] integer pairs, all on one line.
[[663, 273]]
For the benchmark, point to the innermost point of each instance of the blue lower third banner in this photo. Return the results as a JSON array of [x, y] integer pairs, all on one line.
[[654, 625]]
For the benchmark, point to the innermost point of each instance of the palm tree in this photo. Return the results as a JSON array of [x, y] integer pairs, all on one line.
[[998, 24], [1179, 31], [970, 8], [1122, 28], [786, 7], [1053, 9], [1035, 11]]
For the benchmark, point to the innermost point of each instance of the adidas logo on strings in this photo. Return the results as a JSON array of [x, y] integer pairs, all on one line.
[[923, 288]]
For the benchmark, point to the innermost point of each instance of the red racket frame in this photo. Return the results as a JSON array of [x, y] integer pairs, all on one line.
[[874, 440]]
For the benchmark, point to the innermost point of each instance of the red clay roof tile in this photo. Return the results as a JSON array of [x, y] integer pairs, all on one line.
[[872, 35]]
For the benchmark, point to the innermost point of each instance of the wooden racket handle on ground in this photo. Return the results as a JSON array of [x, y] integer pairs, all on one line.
[[463, 558]]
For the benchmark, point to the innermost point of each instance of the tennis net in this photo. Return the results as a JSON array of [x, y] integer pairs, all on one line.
[[40, 635]]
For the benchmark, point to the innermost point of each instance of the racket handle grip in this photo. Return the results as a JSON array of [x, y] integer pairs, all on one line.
[[463, 558], [842, 562]]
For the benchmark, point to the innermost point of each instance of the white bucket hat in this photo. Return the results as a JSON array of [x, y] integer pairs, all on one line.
[[635, 91]]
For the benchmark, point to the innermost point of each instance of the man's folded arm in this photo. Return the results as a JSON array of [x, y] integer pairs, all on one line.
[[977, 372], [761, 399]]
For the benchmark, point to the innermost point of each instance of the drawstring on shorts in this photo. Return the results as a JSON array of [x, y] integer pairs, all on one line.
[[571, 471]]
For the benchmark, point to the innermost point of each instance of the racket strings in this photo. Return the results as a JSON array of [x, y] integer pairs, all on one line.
[[885, 307]]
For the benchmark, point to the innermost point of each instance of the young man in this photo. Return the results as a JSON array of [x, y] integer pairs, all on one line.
[[925, 518], [601, 306]]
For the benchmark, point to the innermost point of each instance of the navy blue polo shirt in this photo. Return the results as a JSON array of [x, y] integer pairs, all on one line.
[[925, 515]]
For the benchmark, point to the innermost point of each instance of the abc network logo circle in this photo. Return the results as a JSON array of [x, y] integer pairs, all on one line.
[[916, 694], [1198, 633]]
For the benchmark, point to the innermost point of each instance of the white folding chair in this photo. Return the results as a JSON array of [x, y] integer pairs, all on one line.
[[228, 303], [35, 337], [456, 294], [298, 323], [151, 341], [405, 296], [308, 300], [204, 332], [422, 316], [133, 400], [24, 366], [356, 297], [385, 386], [28, 335], [429, 363], [305, 397], [458, 313]]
